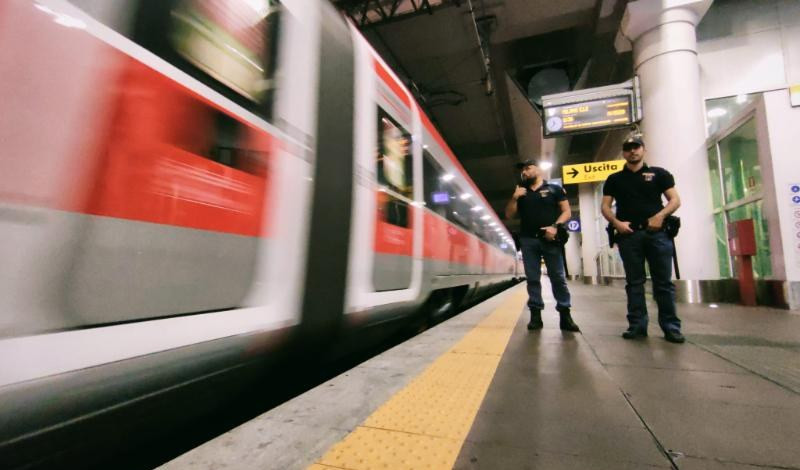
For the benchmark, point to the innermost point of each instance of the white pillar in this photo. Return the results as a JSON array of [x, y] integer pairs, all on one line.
[[573, 253], [589, 211], [665, 59]]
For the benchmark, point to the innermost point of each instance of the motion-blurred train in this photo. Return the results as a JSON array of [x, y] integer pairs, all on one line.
[[188, 185]]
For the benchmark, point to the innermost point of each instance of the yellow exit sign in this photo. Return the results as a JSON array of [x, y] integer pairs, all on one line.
[[794, 93], [590, 172]]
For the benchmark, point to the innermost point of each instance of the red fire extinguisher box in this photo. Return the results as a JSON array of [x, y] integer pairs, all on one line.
[[742, 238], [742, 244]]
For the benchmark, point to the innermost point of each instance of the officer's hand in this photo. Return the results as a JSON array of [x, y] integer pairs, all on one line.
[[519, 192], [623, 227], [550, 233], [655, 223]]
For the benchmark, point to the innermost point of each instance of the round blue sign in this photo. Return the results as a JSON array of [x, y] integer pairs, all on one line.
[[796, 199], [574, 225], [795, 188]]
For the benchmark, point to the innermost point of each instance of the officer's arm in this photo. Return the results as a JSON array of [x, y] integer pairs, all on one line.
[[673, 202], [605, 208], [566, 212], [621, 226], [511, 209]]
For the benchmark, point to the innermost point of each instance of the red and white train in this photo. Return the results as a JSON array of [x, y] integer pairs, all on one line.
[[187, 184]]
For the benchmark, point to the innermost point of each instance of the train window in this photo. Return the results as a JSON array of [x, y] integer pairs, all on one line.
[[481, 230], [460, 209], [395, 169], [227, 40], [232, 146], [228, 45], [437, 191], [446, 198]]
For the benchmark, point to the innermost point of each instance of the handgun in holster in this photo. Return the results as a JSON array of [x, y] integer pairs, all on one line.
[[610, 231]]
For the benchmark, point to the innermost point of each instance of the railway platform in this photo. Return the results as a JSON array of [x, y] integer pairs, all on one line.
[[480, 391]]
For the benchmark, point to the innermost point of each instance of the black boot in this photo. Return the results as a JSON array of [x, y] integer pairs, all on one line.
[[566, 323], [536, 320]]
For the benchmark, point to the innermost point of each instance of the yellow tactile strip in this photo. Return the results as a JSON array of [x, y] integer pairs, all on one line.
[[424, 425]]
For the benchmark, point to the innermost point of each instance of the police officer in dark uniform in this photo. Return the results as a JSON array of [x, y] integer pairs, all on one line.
[[639, 226], [542, 207]]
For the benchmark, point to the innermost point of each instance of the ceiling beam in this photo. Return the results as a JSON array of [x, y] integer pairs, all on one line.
[[368, 14]]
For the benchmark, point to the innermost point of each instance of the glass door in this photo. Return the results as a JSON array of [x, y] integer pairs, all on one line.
[[736, 187], [720, 219]]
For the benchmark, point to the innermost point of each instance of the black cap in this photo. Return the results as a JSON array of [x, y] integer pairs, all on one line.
[[633, 140], [525, 164]]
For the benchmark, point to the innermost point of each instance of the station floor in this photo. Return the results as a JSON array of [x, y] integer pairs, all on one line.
[[481, 392]]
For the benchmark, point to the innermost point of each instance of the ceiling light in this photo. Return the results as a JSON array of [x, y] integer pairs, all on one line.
[[465, 196], [717, 112], [447, 177], [486, 217], [545, 165]]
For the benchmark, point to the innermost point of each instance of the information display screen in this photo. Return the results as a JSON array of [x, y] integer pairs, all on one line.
[[587, 116]]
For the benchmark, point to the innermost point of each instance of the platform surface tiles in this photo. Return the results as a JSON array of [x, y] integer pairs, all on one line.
[[480, 391]]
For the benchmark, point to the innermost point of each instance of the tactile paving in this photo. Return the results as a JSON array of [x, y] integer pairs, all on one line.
[[483, 341], [431, 410], [424, 425], [506, 320], [459, 370], [378, 449]]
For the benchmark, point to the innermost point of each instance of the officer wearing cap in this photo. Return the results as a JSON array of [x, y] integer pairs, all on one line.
[[542, 207], [639, 222]]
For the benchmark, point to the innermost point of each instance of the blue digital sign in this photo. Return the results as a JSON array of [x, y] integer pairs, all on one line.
[[440, 197]]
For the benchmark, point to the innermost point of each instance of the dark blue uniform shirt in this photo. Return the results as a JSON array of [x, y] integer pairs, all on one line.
[[539, 208], [638, 194]]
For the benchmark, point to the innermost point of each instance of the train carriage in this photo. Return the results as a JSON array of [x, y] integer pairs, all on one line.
[[186, 185]]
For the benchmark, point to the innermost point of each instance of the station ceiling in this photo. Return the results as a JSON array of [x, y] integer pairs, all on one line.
[[470, 64]]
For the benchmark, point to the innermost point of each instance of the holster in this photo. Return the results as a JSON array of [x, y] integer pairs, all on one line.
[[610, 231], [562, 235], [671, 226]]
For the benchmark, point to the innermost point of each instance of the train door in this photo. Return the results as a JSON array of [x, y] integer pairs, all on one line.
[[386, 243]]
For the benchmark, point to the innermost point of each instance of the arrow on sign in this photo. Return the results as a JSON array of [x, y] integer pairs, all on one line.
[[573, 173]]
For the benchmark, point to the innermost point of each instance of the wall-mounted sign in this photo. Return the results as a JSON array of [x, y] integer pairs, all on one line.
[[794, 95], [589, 172], [591, 110], [794, 193], [574, 225], [588, 115], [794, 200]]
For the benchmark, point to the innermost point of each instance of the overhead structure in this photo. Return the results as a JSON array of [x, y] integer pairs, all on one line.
[[374, 12], [472, 66]]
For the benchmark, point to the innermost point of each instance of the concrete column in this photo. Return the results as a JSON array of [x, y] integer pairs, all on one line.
[[573, 251], [662, 33], [589, 211]]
